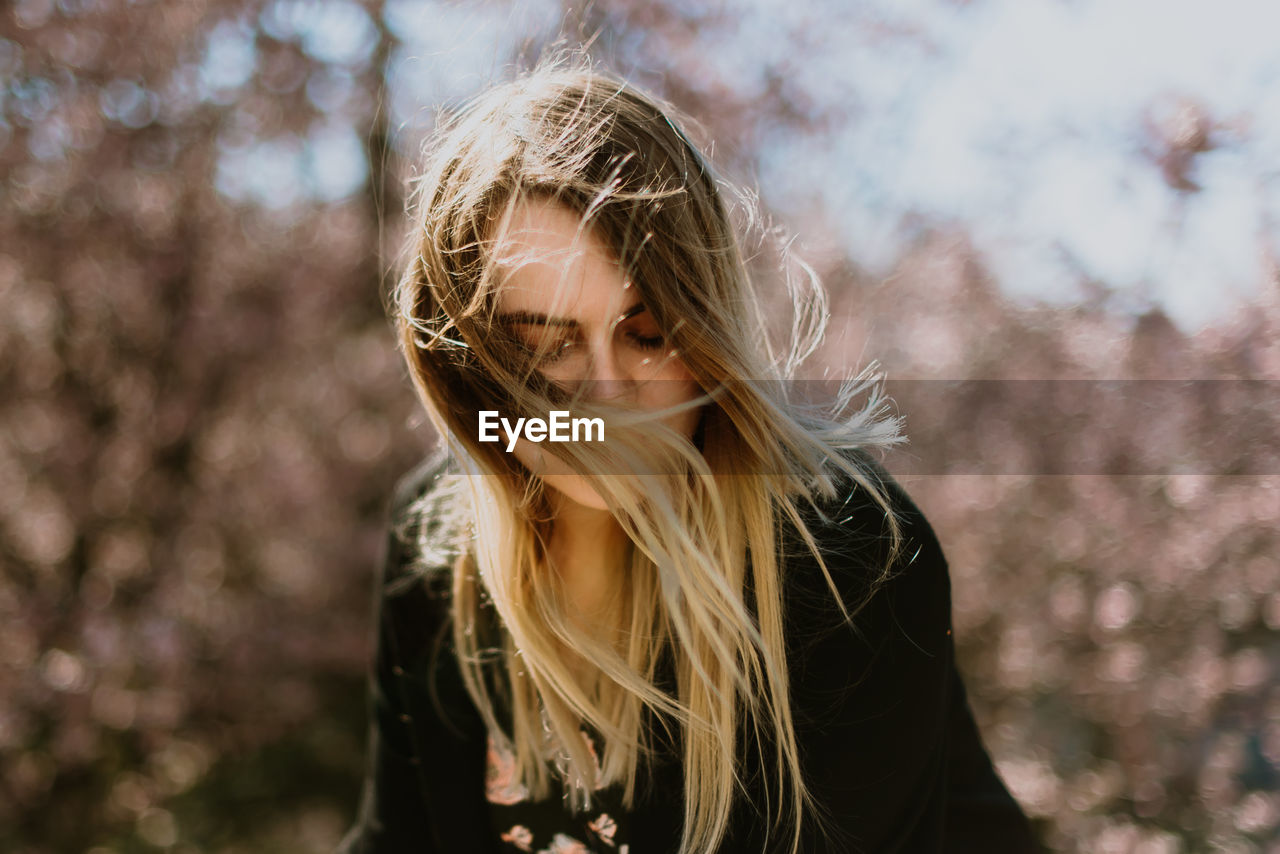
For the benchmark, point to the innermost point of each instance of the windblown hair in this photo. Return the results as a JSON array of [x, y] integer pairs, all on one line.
[[701, 582]]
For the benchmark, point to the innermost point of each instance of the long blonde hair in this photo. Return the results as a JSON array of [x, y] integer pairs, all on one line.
[[702, 581]]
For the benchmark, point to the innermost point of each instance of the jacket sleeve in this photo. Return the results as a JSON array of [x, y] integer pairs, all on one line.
[[392, 816], [982, 815], [880, 706]]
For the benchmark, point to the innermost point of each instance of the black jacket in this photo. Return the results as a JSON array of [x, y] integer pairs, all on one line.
[[888, 741]]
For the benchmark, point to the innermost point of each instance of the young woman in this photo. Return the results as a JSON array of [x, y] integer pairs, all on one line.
[[706, 621]]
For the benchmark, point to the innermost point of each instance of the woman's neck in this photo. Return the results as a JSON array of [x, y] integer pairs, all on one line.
[[587, 549]]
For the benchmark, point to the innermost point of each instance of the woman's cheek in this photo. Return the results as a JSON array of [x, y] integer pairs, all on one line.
[[678, 388]]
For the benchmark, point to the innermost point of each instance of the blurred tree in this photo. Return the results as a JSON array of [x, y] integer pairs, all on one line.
[[204, 411]]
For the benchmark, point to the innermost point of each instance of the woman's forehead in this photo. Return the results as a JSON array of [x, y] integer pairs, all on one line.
[[546, 255], [545, 231]]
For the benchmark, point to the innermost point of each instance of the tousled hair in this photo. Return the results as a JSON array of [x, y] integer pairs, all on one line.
[[701, 581]]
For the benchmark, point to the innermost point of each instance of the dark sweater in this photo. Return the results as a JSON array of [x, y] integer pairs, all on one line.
[[888, 743]]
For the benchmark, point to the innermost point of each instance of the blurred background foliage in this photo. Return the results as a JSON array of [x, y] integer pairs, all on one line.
[[204, 412]]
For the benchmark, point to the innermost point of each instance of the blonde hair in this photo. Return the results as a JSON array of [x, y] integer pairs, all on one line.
[[701, 581]]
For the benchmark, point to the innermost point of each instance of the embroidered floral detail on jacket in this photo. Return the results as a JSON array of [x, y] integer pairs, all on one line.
[[604, 827], [519, 836], [529, 826], [563, 844], [595, 761], [501, 785]]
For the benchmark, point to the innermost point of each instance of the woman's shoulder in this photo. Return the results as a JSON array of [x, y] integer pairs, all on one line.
[[880, 656], [423, 522], [854, 532], [422, 478], [860, 513], [414, 591]]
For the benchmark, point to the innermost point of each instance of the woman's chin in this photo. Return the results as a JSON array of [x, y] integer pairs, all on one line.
[[556, 473], [575, 488]]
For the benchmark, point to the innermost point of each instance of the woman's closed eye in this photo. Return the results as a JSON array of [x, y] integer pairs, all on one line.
[[550, 347], [547, 353], [641, 332], [646, 342]]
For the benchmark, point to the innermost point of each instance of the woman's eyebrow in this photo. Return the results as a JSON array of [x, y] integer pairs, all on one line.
[[537, 318], [632, 312]]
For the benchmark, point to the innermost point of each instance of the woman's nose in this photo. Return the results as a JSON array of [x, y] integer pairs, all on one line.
[[606, 378]]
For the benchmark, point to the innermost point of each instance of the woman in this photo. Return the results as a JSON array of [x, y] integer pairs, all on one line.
[[711, 624]]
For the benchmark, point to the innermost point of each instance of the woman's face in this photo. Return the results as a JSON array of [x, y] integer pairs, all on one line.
[[563, 294]]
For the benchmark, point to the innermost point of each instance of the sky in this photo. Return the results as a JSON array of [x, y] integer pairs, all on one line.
[[1025, 121]]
